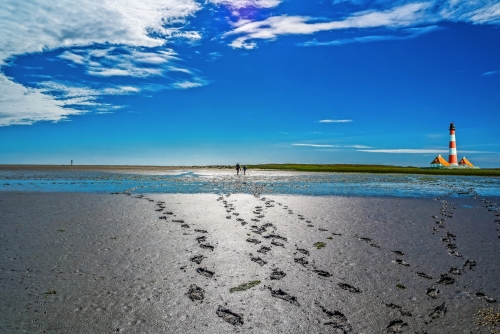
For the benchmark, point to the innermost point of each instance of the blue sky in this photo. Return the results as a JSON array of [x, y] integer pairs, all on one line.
[[185, 82]]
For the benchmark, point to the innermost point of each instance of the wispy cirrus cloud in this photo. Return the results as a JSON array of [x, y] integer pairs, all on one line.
[[126, 62], [314, 145], [357, 146], [272, 27], [418, 151], [490, 73], [247, 3], [330, 146], [405, 34], [409, 19], [335, 121]]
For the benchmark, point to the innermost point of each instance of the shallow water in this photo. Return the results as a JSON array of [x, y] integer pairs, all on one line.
[[261, 182]]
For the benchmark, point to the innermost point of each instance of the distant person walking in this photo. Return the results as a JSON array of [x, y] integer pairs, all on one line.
[[237, 169], [244, 170]]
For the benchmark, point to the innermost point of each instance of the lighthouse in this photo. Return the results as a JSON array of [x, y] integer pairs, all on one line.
[[440, 162], [452, 158]]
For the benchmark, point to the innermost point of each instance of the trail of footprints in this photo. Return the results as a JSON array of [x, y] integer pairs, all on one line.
[[337, 319], [266, 232]]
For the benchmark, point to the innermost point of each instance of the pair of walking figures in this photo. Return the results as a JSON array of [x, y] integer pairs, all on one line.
[[238, 169]]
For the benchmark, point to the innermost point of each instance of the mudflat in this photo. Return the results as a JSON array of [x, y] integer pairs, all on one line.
[[191, 263]]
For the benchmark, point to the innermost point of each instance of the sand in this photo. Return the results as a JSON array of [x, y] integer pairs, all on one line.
[[99, 263]]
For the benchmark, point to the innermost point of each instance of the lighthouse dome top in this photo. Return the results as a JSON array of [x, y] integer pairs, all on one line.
[[452, 126]]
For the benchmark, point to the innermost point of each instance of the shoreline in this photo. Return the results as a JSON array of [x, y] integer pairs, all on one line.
[[302, 168], [115, 260]]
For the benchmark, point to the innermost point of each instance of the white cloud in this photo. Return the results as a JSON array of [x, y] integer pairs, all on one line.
[[247, 3], [275, 26], [335, 121], [37, 25], [485, 74], [477, 12], [332, 146], [404, 14], [53, 101], [114, 61], [189, 84], [357, 146], [488, 14], [22, 106], [419, 151], [314, 145], [407, 34]]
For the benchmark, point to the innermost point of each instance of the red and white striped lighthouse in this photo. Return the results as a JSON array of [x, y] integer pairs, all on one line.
[[452, 159]]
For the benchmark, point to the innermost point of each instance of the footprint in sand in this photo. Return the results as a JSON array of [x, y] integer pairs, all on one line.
[[401, 262], [277, 274], [303, 251], [264, 249], [269, 236], [454, 253], [207, 246], [257, 260], [337, 319], [301, 261], [230, 317], [196, 293], [201, 231], [396, 326], [446, 280], [438, 312], [469, 263], [484, 297], [257, 229], [349, 288], [285, 296], [424, 275], [322, 273], [275, 243], [197, 259], [399, 308], [205, 272]]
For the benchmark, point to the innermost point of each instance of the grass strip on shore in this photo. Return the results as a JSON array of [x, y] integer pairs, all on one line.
[[383, 169], [244, 286]]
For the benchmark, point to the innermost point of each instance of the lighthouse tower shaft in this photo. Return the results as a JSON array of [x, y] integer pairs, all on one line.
[[452, 158]]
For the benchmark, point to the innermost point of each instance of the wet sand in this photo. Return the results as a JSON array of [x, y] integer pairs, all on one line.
[[157, 263]]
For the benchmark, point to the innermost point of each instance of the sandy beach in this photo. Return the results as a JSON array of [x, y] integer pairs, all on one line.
[[191, 263]]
